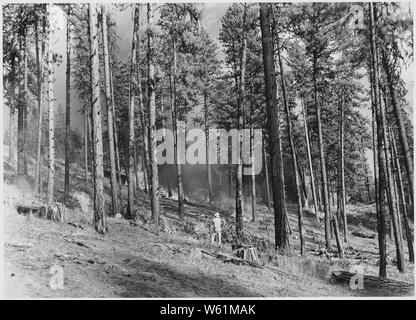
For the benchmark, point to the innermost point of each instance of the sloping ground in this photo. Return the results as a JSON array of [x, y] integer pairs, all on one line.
[[129, 262], [144, 261]]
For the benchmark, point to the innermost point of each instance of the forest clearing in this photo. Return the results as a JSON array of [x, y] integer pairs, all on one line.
[[208, 150], [143, 261]]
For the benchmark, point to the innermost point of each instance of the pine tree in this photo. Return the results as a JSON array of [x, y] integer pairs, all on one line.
[[110, 114], [100, 223], [68, 104], [273, 119], [51, 135], [154, 179]]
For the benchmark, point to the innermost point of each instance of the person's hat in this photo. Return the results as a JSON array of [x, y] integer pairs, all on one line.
[[217, 215]]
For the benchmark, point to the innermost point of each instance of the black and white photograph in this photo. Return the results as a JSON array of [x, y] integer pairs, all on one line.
[[259, 150]]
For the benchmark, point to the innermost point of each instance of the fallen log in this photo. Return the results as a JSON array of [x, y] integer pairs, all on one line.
[[376, 284], [363, 235], [38, 211], [227, 258], [54, 212], [134, 224]]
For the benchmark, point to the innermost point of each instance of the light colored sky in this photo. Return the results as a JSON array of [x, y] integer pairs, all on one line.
[[124, 23]]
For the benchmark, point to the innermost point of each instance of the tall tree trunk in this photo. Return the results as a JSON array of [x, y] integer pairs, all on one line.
[[402, 131], [390, 187], [90, 139], [282, 170], [322, 158], [396, 191], [130, 202], [292, 149], [342, 169], [39, 74], [253, 175], [240, 111], [51, 144], [397, 168], [367, 179], [266, 173], [136, 175], [337, 238], [144, 130], [25, 104], [303, 184], [86, 132], [381, 224], [163, 113], [273, 121], [100, 224], [381, 161], [110, 114], [13, 112], [175, 120], [115, 130], [319, 192], [68, 105], [308, 150], [154, 185], [171, 101], [206, 127], [230, 180], [21, 103]]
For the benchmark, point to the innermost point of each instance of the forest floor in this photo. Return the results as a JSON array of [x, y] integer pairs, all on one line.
[[142, 260]]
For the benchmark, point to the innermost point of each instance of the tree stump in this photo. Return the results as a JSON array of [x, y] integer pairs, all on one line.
[[248, 254]]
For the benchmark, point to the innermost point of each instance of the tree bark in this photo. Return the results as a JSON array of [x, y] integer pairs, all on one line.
[[130, 192], [322, 158], [408, 231], [25, 104], [68, 105], [163, 116], [13, 112], [381, 164], [51, 143], [402, 131], [266, 173], [142, 114], [154, 185], [21, 104], [390, 188], [342, 169], [115, 130], [175, 117], [253, 176], [337, 237], [86, 144], [308, 150], [292, 150], [100, 224], [304, 195], [39, 73], [273, 121], [110, 114], [206, 127], [240, 111]]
